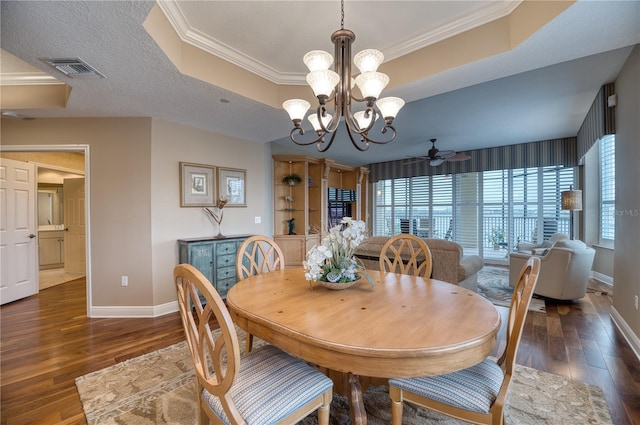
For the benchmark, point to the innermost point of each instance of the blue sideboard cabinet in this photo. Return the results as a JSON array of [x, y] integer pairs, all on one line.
[[214, 257]]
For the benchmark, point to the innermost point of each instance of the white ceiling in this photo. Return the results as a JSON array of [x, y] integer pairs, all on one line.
[[540, 90]]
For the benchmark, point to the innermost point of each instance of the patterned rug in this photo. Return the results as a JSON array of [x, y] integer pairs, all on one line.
[[158, 388], [493, 284]]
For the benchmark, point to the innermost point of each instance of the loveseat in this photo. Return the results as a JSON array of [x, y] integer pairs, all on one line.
[[449, 263], [564, 270]]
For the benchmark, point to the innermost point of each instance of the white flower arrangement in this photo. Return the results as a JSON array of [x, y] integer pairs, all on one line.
[[334, 260]]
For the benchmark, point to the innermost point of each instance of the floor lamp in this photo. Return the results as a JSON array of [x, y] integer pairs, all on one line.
[[572, 201]]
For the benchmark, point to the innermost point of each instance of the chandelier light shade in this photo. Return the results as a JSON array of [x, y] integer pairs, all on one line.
[[333, 89], [571, 200], [313, 119], [318, 60], [296, 108]]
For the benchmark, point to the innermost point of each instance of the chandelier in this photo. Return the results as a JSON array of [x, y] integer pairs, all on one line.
[[336, 87]]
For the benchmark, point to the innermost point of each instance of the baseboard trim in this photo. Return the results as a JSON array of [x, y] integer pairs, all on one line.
[[602, 278], [133, 311], [626, 331]]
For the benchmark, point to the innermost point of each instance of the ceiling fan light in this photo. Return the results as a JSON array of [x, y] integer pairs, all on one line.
[[371, 84], [296, 108], [318, 60], [313, 119], [362, 120], [322, 82], [389, 106], [368, 60]]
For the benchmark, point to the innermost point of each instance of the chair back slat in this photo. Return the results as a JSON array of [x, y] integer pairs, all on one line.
[[406, 254], [258, 254]]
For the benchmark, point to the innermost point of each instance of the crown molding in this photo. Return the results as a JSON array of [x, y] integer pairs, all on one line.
[[487, 14], [178, 21], [27, 79]]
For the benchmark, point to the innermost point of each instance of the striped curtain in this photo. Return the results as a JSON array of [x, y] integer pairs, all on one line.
[[599, 122], [536, 154]]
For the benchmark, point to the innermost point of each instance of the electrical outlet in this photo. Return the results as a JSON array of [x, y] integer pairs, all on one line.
[[257, 219], [125, 280], [635, 301]]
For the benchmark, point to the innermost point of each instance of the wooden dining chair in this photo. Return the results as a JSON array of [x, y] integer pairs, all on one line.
[[266, 386], [476, 394], [406, 254], [257, 254]]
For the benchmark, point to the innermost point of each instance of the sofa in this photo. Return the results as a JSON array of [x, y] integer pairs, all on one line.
[[564, 271], [449, 263]]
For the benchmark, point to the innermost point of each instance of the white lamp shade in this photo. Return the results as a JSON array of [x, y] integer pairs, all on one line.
[[322, 82], [368, 60], [389, 106], [318, 60], [363, 122], [371, 84], [296, 108], [313, 119]]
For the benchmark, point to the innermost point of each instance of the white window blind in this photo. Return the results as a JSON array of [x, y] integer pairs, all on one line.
[[607, 189], [487, 213]]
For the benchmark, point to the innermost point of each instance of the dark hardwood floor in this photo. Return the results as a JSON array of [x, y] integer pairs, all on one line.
[[47, 341]]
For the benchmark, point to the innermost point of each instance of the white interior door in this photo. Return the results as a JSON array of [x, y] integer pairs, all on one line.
[[18, 230], [74, 226]]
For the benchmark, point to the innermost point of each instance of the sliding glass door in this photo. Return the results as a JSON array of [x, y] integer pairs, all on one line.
[[487, 213]]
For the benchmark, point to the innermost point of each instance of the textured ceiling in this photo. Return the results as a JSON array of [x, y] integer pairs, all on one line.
[[539, 90]]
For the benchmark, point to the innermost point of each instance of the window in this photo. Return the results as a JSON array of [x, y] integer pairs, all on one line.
[[607, 189], [487, 213]]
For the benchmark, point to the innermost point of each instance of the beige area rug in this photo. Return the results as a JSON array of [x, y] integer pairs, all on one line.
[[493, 284], [158, 388]]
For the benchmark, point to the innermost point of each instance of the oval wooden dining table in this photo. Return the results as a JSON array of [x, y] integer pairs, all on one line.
[[403, 326]]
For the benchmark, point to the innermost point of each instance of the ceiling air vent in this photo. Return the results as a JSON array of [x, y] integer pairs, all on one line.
[[73, 67]]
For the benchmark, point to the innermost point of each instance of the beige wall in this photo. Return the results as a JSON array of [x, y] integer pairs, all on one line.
[[135, 212], [119, 197], [172, 143], [627, 245]]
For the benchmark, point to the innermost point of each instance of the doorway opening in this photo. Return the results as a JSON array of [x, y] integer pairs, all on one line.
[[56, 164]]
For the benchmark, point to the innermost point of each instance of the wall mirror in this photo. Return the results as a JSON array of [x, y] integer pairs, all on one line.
[[51, 195], [50, 205]]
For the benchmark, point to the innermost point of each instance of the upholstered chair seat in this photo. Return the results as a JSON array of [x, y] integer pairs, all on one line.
[[474, 388], [264, 372]]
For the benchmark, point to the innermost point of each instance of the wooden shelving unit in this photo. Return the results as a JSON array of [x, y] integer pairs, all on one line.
[[307, 202]]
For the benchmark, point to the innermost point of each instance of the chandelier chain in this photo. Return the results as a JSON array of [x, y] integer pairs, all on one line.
[[342, 14]]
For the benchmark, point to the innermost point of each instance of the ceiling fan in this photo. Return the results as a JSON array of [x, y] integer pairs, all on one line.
[[436, 157]]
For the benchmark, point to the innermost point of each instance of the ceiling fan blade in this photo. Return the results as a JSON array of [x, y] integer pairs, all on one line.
[[446, 154], [414, 159], [459, 157], [436, 162]]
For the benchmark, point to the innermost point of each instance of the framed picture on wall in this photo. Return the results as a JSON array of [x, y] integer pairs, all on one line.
[[232, 185], [197, 185]]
